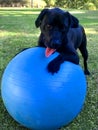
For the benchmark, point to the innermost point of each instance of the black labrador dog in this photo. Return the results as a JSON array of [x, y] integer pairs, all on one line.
[[61, 32]]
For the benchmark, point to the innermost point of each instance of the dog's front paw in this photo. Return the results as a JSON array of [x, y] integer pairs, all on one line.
[[86, 72], [53, 67]]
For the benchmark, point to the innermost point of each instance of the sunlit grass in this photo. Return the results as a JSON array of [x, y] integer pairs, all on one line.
[[91, 31]]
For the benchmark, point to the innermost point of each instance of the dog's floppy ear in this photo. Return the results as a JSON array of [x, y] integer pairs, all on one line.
[[40, 17], [73, 21]]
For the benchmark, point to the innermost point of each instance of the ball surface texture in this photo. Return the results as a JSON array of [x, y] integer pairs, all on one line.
[[38, 99]]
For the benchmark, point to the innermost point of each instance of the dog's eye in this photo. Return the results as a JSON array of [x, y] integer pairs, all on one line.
[[49, 26]]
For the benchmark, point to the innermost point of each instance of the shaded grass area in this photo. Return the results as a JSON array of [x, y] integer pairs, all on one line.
[[17, 31]]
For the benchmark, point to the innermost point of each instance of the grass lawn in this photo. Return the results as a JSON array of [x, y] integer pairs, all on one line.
[[17, 31]]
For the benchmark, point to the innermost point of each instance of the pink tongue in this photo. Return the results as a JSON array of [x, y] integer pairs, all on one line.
[[49, 51]]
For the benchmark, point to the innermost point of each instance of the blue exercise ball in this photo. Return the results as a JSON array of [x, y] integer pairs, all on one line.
[[38, 99]]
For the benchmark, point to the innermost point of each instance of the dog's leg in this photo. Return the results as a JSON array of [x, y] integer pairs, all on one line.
[[68, 55], [54, 65], [84, 53]]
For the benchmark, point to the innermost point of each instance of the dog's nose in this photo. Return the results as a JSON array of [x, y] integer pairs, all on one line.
[[55, 43]]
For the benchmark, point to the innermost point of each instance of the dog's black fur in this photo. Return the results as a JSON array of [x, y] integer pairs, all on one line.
[[61, 31]]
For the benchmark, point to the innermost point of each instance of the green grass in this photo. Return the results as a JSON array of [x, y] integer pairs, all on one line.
[[17, 31]]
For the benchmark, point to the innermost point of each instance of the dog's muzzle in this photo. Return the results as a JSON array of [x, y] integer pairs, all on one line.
[[55, 44]]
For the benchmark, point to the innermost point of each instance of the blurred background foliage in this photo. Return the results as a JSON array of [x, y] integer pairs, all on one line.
[[76, 4]]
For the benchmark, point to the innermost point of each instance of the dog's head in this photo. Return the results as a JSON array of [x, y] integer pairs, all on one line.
[[54, 24]]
